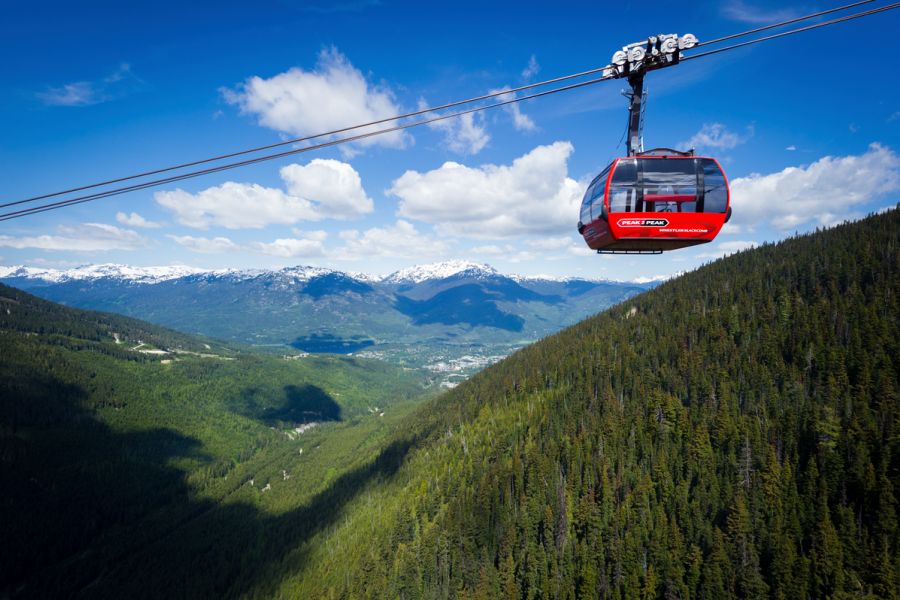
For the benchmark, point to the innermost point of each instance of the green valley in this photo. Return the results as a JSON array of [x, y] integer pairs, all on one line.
[[105, 449], [734, 432]]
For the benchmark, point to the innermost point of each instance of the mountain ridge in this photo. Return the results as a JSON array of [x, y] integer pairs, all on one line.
[[156, 274], [410, 317]]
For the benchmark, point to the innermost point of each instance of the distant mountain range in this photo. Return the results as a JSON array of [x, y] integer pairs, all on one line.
[[420, 315], [150, 275]]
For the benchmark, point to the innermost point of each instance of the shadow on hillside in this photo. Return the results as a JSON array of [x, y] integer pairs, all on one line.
[[300, 404], [468, 305], [95, 512]]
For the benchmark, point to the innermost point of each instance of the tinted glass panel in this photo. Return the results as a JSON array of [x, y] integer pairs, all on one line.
[[585, 216], [623, 188], [715, 193], [593, 197], [670, 185], [597, 196]]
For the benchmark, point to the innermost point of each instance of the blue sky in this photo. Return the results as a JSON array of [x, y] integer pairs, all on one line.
[[807, 128]]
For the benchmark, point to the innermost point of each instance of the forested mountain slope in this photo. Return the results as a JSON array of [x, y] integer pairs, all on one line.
[[732, 433], [117, 435]]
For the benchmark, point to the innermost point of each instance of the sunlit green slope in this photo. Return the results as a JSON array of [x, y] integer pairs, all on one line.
[[732, 433]]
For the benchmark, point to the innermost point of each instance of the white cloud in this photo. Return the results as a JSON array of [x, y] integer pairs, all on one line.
[[87, 237], [335, 188], [305, 244], [235, 206], [79, 93], [521, 121], [402, 240], [117, 84], [205, 245], [725, 248], [738, 10], [654, 278], [290, 247], [550, 243], [322, 189], [544, 248], [533, 195], [821, 193], [318, 235], [716, 135], [551, 247], [532, 69], [493, 249], [332, 96], [465, 134], [791, 148], [136, 220]]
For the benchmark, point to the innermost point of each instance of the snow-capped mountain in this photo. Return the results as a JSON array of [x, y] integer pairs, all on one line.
[[452, 305], [88, 272], [153, 275], [441, 270], [460, 269]]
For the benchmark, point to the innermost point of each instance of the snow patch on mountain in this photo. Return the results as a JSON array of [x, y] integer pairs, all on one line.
[[441, 270], [289, 276], [104, 271]]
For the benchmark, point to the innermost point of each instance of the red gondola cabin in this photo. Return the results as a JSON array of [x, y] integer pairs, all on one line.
[[655, 201]]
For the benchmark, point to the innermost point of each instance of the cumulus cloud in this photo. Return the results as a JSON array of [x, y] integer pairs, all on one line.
[[290, 247], [322, 189], [493, 249], [401, 240], [716, 135], [333, 95], [550, 243], [136, 220], [309, 244], [335, 188], [464, 135], [205, 245], [87, 237], [318, 235], [533, 195], [543, 248], [821, 193], [117, 84], [521, 121]]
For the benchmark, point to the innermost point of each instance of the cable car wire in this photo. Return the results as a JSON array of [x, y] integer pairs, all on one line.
[[793, 31], [311, 137], [115, 192], [783, 23], [136, 187], [398, 117]]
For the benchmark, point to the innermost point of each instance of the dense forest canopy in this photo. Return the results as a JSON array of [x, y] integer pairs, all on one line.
[[734, 432]]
